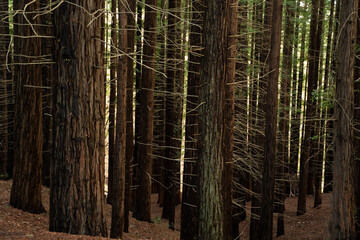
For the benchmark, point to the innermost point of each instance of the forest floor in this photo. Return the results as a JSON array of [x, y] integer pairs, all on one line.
[[16, 224]]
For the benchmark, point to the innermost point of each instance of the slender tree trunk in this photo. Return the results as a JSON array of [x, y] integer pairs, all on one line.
[[26, 188], [268, 182], [241, 99], [228, 118], [4, 41], [343, 214], [118, 194], [310, 110], [262, 45], [284, 116], [329, 159], [138, 76], [173, 123], [318, 161], [77, 200], [112, 100], [146, 108], [129, 113], [190, 197]]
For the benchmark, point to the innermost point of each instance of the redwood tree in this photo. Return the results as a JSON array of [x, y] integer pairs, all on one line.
[[146, 109], [118, 187], [26, 188], [77, 197], [343, 204], [268, 182]]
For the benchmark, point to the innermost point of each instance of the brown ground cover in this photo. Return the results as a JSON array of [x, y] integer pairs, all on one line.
[[16, 224]]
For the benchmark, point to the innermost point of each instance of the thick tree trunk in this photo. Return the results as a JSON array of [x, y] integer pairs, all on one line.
[[211, 117], [190, 197], [310, 110], [343, 214], [118, 188], [268, 182], [77, 197], [146, 109], [26, 188]]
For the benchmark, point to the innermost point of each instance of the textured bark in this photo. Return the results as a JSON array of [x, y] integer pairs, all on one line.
[[129, 115], [146, 109], [26, 188], [118, 188], [228, 116], [138, 71], [343, 214], [308, 146], [318, 159], [190, 197], [284, 117], [173, 122], [77, 197], [47, 75], [328, 178], [4, 44], [268, 182], [211, 131], [112, 101], [327, 83]]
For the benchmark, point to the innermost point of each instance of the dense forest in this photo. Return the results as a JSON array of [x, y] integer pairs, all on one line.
[[222, 107]]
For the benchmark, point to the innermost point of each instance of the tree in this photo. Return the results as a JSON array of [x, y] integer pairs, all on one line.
[[211, 117], [129, 116], [118, 188], [268, 182], [112, 100], [77, 197], [190, 197], [146, 108], [310, 109], [343, 216], [26, 188], [4, 41], [173, 122]]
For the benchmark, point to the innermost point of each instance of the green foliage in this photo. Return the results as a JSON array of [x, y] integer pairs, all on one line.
[[156, 220]]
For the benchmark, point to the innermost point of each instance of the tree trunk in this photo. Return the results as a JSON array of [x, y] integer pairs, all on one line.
[[77, 199], [228, 119], [118, 194], [4, 30], [329, 159], [190, 197], [268, 182], [129, 114], [310, 110], [343, 214], [211, 117], [173, 123], [317, 159], [146, 109], [26, 188], [112, 100]]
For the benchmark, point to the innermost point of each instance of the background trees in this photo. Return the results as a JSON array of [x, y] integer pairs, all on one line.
[[205, 108]]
